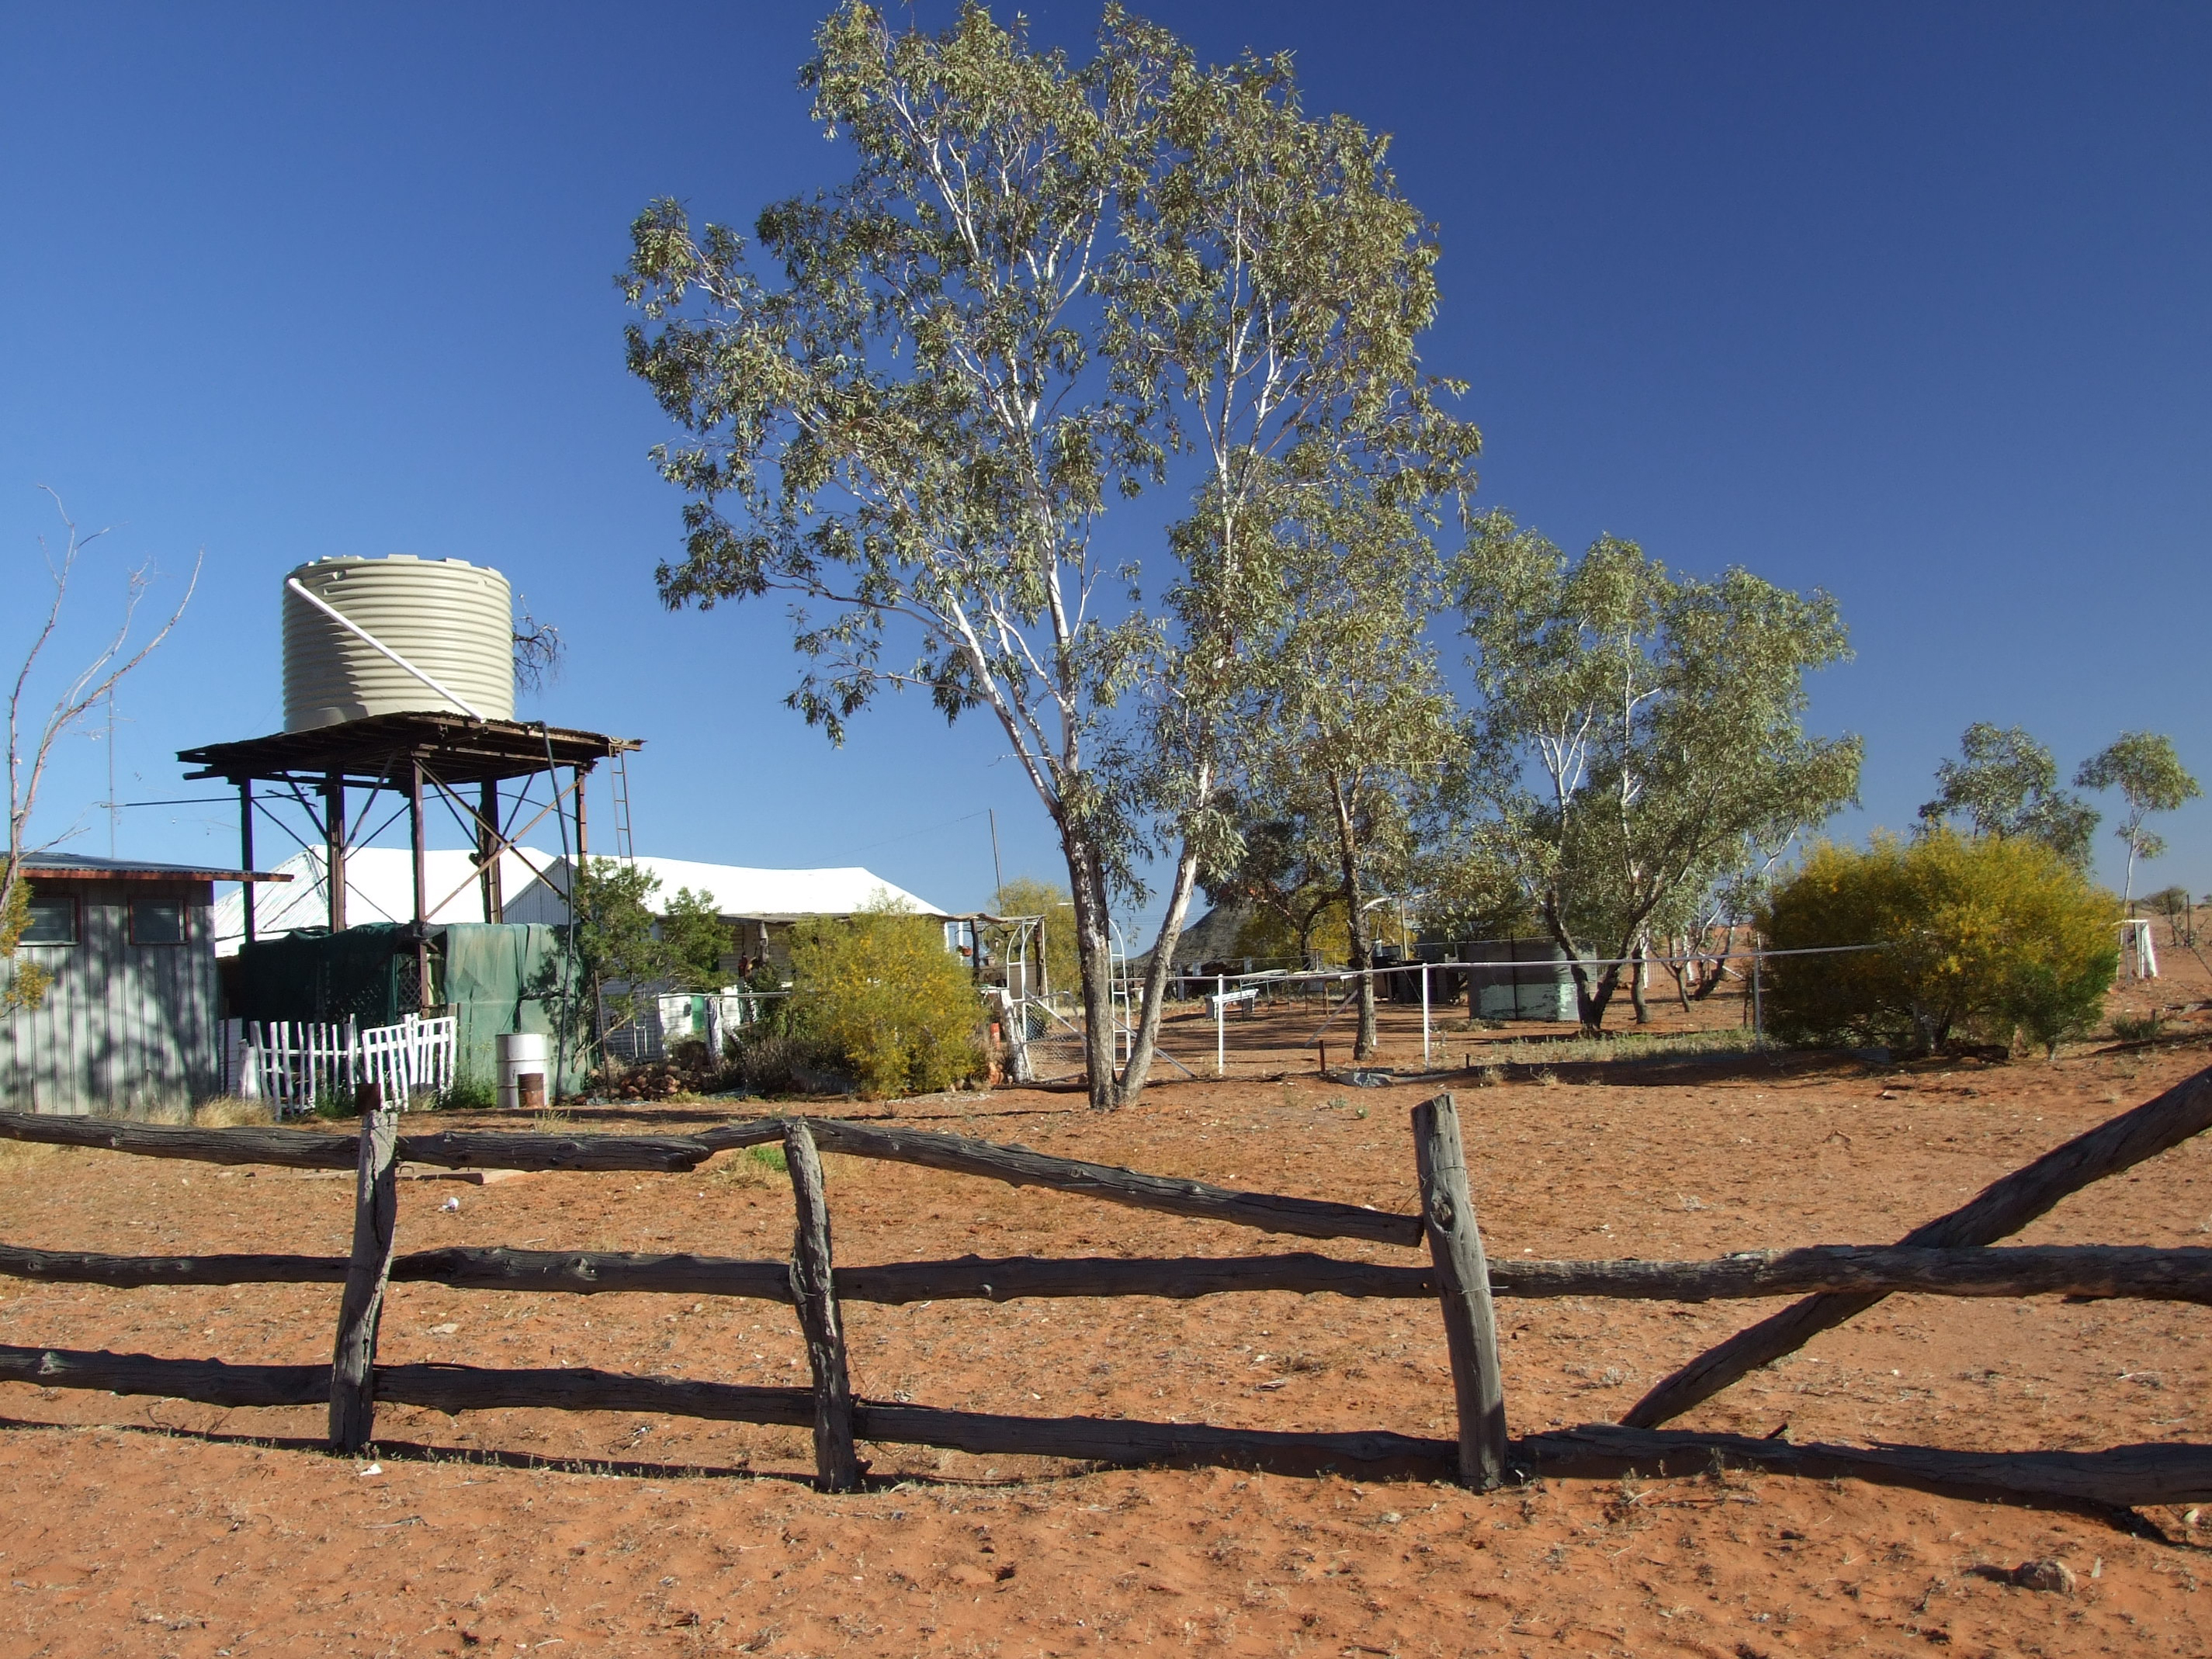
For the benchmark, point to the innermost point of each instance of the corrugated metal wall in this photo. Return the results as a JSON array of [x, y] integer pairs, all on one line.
[[125, 1027]]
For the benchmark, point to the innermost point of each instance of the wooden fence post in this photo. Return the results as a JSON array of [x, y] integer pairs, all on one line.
[[375, 1216], [1463, 1283], [814, 1292]]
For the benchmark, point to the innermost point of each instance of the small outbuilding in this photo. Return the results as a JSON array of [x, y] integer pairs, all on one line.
[[131, 1021]]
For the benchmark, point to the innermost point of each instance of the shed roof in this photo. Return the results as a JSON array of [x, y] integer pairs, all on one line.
[[755, 895], [81, 867], [534, 887]]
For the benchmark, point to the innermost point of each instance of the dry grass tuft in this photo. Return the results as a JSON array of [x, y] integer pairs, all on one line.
[[232, 1113], [754, 1166], [19, 1158]]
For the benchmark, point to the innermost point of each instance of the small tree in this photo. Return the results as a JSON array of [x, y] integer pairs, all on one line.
[[696, 939], [2179, 908], [32, 735], [2006, 783], [881, 990], [1988, 937], [620, 953], [2143, 767], [1353, 727], [1639, 735]]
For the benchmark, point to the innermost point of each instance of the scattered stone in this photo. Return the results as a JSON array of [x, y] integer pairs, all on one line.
[[2046, 1573]]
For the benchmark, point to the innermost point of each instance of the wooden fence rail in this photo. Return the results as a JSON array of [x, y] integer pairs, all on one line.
[[2081, 1271], [1457, 1274], [2000, 1209]]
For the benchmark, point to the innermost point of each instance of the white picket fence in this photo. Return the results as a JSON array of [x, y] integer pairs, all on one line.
[[293, 1064]]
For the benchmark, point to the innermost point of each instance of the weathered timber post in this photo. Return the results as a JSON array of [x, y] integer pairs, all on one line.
[[375, 1216], [814, 1292], [1463, 1284]]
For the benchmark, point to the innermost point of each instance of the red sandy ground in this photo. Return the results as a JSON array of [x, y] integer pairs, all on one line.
[[151, 1527]]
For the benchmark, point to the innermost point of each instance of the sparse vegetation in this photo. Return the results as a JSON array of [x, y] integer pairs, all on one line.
[[752, 1166], [470, 1094], [231, 1113]]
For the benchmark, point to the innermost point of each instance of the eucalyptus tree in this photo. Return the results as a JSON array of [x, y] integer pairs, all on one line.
[[2004, 784], [1045, 288], [1354, 725], [1637, 734], [2150, 777]]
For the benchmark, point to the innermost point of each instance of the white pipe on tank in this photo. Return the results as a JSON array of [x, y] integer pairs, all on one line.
[[377, 645]]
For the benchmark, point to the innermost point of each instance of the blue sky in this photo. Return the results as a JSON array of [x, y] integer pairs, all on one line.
[[1905, 302]]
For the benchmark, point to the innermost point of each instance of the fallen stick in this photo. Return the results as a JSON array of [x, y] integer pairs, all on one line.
[[2001, 1208]]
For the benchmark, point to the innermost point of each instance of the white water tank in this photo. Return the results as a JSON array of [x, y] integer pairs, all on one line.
[[449, 618]]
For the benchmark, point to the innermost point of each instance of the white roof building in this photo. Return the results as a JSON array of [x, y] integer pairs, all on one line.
[[534, 887]]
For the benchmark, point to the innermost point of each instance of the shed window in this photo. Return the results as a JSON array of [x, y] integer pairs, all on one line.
[[53, 920], [157, 922]]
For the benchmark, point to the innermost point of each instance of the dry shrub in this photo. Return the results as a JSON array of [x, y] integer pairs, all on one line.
[[19, 1157], [774, 1062]]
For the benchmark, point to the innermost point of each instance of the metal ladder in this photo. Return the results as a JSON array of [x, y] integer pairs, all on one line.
[[625, 847]]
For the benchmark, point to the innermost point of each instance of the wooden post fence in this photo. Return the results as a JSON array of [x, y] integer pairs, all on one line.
[[1464, 1285], [1951, 1256], [2001, 1208], [814, 1293], [375, 1218]]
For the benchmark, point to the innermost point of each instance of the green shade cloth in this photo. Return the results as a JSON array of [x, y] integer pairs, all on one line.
[[365, 973], [494, 978], [502, 977]]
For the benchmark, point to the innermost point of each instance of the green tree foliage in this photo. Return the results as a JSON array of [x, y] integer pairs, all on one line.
[[696, 940], [619, 948], [1639, 738], [1283, 872], [881, 990], [25, 983], [2144, 768], [1353, 727], [1993, 938], [1031, 896], [1046, 288], [1473, 899], [2005, 783]]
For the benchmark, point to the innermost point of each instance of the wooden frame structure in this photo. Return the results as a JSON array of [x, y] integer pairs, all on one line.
[[413, 755]]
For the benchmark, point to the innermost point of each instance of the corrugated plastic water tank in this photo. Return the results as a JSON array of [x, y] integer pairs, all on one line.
[[451, 619]]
